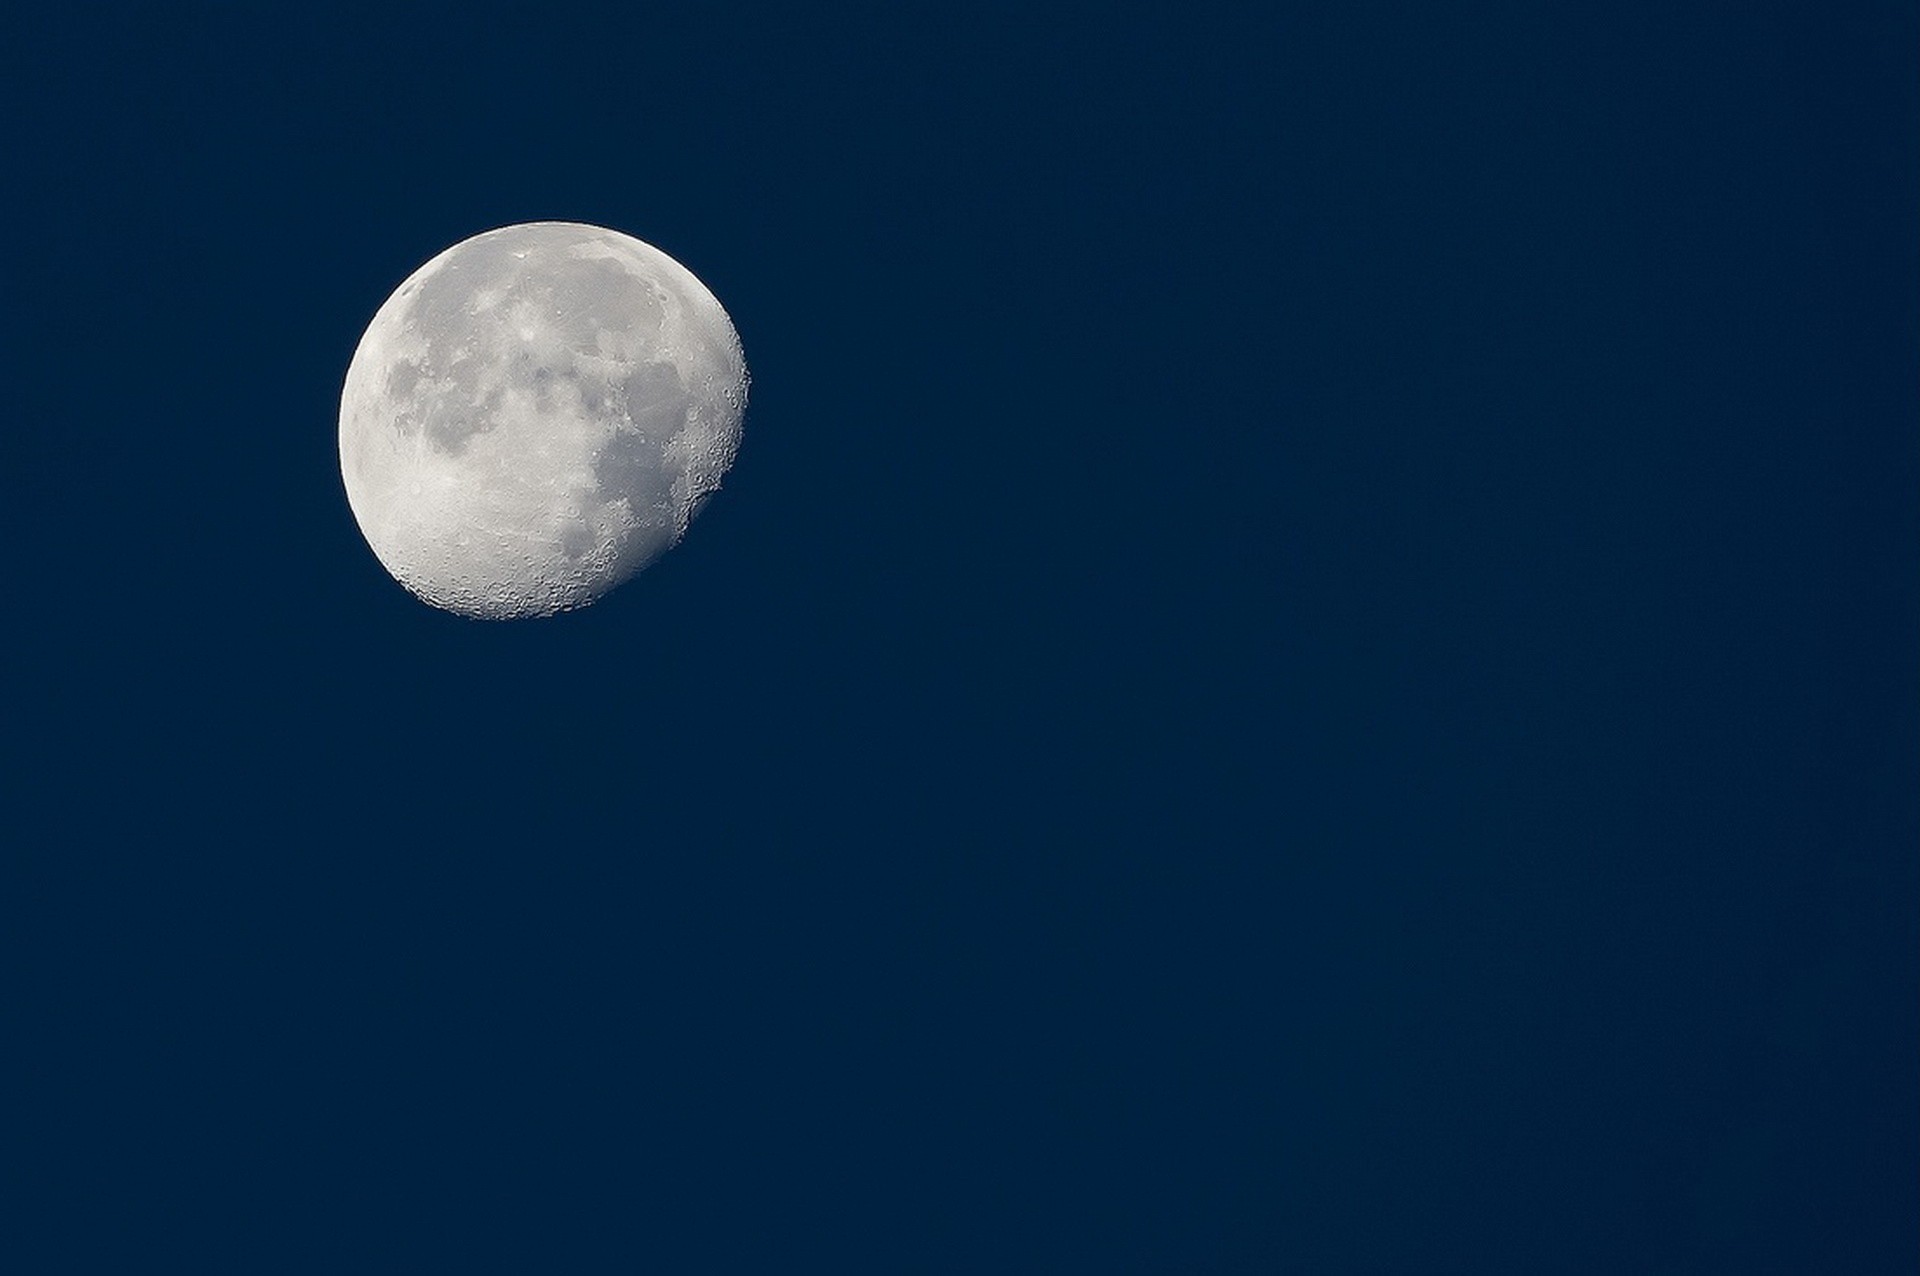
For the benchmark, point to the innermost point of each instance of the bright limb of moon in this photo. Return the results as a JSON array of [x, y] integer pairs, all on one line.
[[535, 415]]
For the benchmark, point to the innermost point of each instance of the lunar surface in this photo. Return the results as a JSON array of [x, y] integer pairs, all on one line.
[[535, 415]]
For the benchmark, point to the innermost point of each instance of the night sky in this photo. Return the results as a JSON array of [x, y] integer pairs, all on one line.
[[1309, 664]]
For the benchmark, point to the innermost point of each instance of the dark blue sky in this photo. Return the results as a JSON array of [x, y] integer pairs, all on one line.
[[1309, 664]]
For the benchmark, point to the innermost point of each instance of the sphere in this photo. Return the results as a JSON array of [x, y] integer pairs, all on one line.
[[537, 414]]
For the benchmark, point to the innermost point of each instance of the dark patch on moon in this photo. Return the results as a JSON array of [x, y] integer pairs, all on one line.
[[591, 295], [402, 377], [629, 467], [656, 401]]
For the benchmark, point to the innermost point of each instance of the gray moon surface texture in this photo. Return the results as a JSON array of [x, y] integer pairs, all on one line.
[[537, 414]]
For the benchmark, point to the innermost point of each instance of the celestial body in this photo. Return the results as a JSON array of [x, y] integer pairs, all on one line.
[[535, 415]]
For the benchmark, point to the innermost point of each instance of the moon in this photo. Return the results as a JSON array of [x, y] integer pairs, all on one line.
[[535, 415]]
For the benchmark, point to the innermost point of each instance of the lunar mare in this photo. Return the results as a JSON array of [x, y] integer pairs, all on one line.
[[535, 415]]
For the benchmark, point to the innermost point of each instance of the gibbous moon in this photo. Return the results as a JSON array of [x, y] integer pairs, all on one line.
[[535, 415]]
